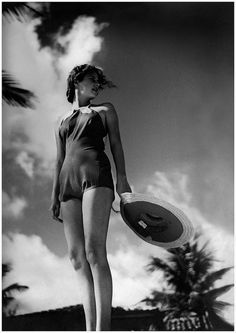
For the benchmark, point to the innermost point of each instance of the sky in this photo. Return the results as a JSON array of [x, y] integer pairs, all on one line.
[[173, 67]]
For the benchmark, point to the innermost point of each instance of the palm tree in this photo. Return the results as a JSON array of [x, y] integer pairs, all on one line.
[[19, 10], [13, 94], [191, 292], [7, 292]]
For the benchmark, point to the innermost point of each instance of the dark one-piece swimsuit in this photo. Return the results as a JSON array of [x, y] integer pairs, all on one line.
[[85, 165]]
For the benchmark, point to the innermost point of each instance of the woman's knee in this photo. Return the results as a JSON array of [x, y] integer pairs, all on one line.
[[96, 256], [77, 258]]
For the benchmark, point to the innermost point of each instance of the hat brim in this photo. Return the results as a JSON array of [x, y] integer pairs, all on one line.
[[155, 221]]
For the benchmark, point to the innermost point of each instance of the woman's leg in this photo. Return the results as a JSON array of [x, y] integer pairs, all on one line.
[[96, 212], [73, 227]]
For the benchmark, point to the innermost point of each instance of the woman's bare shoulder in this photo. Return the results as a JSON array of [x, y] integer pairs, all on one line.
[[106, 106]]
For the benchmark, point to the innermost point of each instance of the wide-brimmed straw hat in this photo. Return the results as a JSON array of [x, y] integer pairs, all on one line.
[[155, 221]]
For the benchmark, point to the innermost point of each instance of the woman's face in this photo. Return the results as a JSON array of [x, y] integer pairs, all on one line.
[[89, 86]]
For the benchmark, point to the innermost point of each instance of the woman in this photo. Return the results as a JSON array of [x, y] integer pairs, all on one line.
[[83, 189]]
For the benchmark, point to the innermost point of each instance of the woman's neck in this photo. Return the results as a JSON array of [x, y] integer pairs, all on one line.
[[80, 101]]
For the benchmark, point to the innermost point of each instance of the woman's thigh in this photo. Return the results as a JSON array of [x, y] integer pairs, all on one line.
[[96, 207], [71, 211]]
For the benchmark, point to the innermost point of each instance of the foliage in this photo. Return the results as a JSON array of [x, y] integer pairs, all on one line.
[[191, 279], [19, 10], [7, 292], [14, 95], [11, 93]]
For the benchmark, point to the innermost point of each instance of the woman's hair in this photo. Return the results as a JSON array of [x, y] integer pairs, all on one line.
[[78, 73]]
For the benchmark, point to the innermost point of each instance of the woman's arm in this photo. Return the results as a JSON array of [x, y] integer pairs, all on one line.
[[116, 149], [55, 206]]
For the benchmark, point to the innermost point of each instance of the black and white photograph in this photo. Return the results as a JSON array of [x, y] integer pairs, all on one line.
[[117, 166]]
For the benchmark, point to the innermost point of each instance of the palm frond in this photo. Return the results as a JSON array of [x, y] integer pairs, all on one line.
[[215, 293], [176, 251], [182, 262], [7, 292], [6, 300], [14, 95], [15, 287], [219, 306], [155, 298], [157, 264], [178, 260], [202, 262], [6, 268], [210, 279], [19, 10], [158, 298]]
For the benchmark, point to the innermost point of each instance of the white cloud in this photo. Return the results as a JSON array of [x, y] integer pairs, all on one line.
[[13, 207], [53, 283], [26, 162], [44, 72], [172, 188], [81, 43], [131, 281], [52, 280]]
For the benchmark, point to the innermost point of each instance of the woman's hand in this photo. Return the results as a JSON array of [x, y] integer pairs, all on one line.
[[55, 210], [122, 185]]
